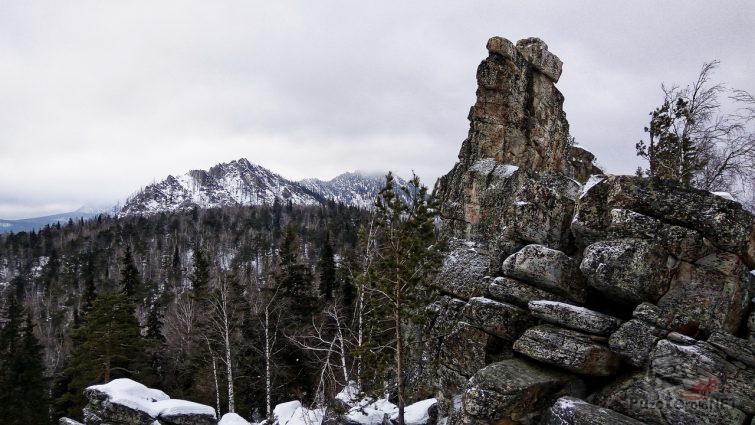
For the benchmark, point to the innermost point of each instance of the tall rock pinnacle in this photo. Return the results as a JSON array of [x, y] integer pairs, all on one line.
[[518, 118], [516, 124]]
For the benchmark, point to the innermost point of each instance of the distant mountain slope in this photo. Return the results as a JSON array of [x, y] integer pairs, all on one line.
[[36, 223], [241, 183]]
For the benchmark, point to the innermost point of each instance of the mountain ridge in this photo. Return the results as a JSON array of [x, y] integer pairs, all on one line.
[[234, 183]]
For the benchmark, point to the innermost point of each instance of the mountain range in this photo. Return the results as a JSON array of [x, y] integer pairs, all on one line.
[[235, 183]]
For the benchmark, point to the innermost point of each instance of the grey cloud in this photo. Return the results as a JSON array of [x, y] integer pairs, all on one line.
[[100, 98]]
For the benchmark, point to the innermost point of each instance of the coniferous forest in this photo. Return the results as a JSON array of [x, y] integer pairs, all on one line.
[[237, 308]]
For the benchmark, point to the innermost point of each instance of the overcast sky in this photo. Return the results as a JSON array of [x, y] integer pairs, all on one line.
[[99, 98]]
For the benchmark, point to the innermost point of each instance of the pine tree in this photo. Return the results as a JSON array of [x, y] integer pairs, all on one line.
[[407, 254], [108, 346]]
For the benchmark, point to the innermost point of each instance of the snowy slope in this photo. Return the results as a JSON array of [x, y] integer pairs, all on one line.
[[241, 183], [357, 189]]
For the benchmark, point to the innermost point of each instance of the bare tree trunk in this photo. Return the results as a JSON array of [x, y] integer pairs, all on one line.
[[360, 337], [217, 387], [268, 350], [229, 368], [227, 345], [341, 345], [399, 363], [215, 376]]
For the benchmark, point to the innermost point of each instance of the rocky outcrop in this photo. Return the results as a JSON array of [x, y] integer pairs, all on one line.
[[519, 293], [693, 365], [580, 297], [463, 270], [569, 350], [503, 320], [573, 317], [630, 270], [547, 269]]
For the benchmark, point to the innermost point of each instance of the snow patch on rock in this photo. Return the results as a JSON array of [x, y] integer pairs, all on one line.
[[592, 181], [233, 419]]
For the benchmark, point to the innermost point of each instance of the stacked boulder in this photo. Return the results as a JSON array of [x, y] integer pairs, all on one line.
[[571, 297]]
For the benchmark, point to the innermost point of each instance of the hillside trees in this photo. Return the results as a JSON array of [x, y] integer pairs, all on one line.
[[23, 388], [90, 258], [692, 140], [327, 268]]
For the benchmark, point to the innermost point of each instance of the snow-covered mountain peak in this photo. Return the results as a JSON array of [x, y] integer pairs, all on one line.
[[242, 183]]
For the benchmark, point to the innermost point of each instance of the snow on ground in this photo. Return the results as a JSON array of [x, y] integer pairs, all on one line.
[[417, 413], [284, 411], [304, 416], [365, 416], [149, 400], [293, 413], [364, 411], [349, 394], [375, 412], [232, 419]]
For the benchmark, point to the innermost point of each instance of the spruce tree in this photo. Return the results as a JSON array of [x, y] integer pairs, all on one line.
[[200, 277], [131, 283], [90, 290], [295, 279]]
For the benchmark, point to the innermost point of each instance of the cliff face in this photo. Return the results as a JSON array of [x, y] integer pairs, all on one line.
[[573, 299]]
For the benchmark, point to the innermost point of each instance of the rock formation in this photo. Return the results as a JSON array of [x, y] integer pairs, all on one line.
[[570, 297]]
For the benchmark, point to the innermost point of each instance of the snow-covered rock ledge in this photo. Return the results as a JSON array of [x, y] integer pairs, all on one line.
[[123, 401]]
